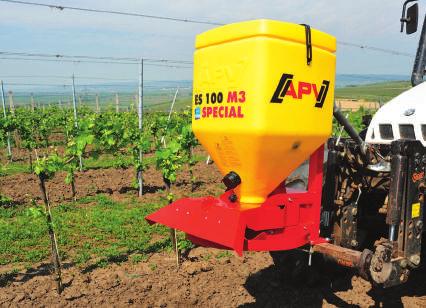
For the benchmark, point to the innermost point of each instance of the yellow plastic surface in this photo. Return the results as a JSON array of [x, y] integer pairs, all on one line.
[[240, 113]]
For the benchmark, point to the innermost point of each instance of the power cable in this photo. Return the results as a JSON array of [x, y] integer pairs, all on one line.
[[92, 61], [62, 56], [384, 50], [74, 8], [65, 77], [187, 20]]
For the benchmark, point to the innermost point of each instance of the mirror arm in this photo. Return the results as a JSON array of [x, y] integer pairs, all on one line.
[[420, 61]]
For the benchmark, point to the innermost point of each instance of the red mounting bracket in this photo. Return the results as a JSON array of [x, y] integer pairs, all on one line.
[[287, 219]]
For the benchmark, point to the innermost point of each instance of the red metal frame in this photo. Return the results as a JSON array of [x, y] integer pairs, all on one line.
[[286, 220]]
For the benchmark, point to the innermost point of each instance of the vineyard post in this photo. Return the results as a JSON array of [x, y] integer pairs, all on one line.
[[74, 103], [60, 103], [97, 103], [140, 116], [53, 242], [173, 103], [117, 103], [163, 139], [134, 103], [9, 150], [32, 102], [11, 103]]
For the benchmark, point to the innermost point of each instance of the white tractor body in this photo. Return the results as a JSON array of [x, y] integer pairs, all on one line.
[[403, 117]]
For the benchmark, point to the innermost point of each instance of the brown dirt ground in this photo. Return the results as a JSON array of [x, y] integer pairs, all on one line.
[[206, 277], [24, 187], [348, 104]]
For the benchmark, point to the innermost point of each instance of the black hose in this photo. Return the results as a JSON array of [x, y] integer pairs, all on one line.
[[347, 126]]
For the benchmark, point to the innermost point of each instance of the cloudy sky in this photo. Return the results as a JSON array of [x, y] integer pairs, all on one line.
[[45, 30]]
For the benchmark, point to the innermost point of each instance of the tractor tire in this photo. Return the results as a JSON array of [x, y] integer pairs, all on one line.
[[293, 266]]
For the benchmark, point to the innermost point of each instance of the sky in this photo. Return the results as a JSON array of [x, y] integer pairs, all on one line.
[[46, 30]]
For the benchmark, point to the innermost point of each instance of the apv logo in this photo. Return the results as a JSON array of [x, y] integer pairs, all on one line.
[[286, 87]]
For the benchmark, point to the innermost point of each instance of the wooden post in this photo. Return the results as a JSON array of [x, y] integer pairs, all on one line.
[[32, 102], [140, 126], [75, 116], [117, 103], [9, 149], [11, 103], [134, 103], [97, 103], [53, 242]]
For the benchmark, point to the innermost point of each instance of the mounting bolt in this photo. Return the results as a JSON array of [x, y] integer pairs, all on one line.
[[354, 211], [403, 263], [233, 198], [404, 277], [415, 259], [354, 243]]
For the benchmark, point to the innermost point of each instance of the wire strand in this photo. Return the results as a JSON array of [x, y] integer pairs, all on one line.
[[74, 8], [186, 20], [93, 61], [62, 56]]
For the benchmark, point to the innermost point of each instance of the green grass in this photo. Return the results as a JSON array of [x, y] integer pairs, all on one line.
[[14, 168], [383, 91], [95, 229], [104, 161]]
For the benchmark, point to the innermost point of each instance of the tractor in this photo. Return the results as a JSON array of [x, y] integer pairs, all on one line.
[[263, 105]]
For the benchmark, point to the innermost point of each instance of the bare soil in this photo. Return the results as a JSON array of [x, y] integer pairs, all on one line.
[[24, 187], [205, 279], [349, 104]]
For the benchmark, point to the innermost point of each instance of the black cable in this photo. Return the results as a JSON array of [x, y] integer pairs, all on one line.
[[65, 77], [92, 61], [61, 56], [59, 7], [62, 7]]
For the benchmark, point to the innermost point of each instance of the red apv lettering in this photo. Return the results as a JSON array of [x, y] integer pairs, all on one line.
[[291, 91], [314, 88], [304, 88]]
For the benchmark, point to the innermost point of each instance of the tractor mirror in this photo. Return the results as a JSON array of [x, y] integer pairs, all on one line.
[[412, 19]]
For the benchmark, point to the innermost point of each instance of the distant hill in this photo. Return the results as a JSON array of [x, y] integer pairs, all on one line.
[[344, 80], [381, 91], [158, 95]]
